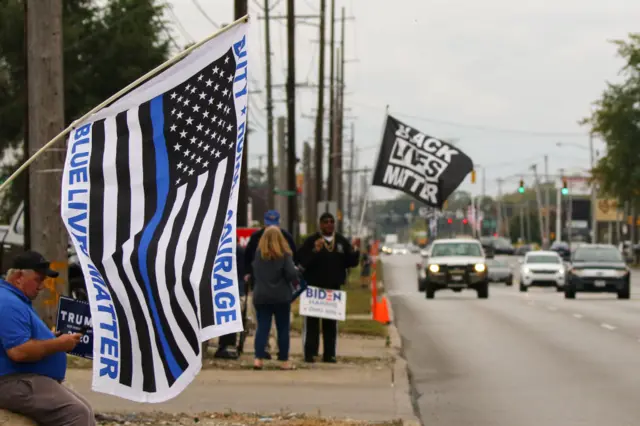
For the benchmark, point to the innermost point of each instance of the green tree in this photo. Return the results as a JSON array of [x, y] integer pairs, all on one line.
[[105, 49], [616, 119]]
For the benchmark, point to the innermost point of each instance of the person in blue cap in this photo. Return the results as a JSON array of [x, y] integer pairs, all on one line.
[[271, 218]]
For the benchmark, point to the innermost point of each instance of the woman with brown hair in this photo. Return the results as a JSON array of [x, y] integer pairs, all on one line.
[[273, 275]]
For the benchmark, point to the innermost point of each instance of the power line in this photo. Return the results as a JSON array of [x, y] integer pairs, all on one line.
[[480, 127], [204, 13], [176, 20]]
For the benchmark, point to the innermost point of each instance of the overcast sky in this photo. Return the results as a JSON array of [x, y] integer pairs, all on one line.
[[507, 79]]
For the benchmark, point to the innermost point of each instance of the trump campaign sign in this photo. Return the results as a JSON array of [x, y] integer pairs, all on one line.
[[323, 303], [243, 235], [74, 316]]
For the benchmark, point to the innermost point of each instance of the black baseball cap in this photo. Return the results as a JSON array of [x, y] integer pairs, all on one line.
[[34, 260]]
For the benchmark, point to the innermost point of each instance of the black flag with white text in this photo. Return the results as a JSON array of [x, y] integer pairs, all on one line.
[[420, 165]]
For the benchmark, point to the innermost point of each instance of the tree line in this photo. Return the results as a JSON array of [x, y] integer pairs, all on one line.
[[106, 45], [615, 119]]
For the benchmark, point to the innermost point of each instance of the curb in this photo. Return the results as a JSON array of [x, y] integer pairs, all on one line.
[[400, 383]]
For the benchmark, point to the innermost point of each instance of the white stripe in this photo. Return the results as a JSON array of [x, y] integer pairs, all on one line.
[[109, 242], [181, 250], [136, 175], [136, 178], [161, 279], [110, 191], [608, 326], [205, 237]]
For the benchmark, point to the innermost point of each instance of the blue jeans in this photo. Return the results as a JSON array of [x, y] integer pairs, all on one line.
[[264, 314]]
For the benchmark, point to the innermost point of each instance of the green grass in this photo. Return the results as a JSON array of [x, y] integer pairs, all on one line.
[[360, 327]]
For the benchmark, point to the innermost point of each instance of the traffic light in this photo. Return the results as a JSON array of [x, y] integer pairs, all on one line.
[[465, 221], [412, 206], [449, 221], [564, 190], [473, 176], [521, 188]]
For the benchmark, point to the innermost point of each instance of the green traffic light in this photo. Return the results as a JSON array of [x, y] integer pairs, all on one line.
[[521, 190], [565, 191]]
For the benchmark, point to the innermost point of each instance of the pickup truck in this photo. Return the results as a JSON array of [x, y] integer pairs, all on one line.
[[12, 237]]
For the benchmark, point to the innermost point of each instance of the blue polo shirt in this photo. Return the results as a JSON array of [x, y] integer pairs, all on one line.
[[20, 323]]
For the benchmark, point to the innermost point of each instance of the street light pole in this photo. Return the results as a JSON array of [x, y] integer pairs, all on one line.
[[594, 223]]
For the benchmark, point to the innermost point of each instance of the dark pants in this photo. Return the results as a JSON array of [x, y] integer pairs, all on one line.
[[45, 401], [227, 340], [311, 337], [264, 314]]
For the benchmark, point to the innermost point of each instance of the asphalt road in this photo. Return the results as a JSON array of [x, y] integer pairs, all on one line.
[[518, 359]]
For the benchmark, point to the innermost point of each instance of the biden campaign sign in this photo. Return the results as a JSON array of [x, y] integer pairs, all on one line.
[[323, 303]]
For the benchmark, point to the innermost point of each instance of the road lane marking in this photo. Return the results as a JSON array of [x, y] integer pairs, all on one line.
[[577, 315], [607, 326]]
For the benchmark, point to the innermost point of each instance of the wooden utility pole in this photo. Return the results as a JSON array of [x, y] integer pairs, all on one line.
[[291, 119], [270, 172], [46, 120], [318, 151], [332, 106], [336, 170], [240, 10], [26, 216], [340, 117], [350, 189]]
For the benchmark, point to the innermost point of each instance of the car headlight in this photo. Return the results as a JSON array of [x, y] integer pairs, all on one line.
[[480, 267], [526, 270], [434, 268], [622, 273], [577, 272]]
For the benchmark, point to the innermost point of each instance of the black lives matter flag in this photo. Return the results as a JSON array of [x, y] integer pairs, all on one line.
[[419, 165]]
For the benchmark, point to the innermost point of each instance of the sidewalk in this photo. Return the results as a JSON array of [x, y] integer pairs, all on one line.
[[359, 386]]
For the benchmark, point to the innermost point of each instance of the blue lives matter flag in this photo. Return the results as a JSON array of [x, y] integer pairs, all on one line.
[[150, 192]]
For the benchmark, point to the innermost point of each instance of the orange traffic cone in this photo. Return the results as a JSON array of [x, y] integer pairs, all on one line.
[[381, 312]]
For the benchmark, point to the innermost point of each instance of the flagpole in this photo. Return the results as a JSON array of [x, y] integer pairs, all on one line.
[[366, 195], [114, 97]]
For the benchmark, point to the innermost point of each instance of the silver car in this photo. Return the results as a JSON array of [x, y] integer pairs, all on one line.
[[500, 271]]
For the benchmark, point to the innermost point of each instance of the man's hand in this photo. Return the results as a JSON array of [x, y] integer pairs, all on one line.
[[68, 341], [247, 277], [318, 245]]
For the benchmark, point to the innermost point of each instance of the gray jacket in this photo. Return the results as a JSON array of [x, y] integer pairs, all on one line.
[[273, 280]]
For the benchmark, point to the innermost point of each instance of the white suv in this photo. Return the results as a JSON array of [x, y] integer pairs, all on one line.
[[542, 269], [455, 264]]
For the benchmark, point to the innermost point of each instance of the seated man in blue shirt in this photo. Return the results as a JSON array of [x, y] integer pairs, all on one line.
[[33, 361]]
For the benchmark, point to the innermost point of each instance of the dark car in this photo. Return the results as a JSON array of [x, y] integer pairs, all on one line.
[[524, 249], [497, 245], [598, 268]]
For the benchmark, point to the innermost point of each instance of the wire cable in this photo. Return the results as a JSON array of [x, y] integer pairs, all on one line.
[[204, 13], [479, 127]]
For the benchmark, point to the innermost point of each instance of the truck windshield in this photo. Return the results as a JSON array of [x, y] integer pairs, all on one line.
[[456, 249]]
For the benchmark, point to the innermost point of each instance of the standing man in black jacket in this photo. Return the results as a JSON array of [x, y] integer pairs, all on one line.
[[325, 257]]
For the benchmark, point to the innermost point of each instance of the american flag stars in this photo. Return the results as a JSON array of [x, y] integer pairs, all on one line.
[[192, 109]]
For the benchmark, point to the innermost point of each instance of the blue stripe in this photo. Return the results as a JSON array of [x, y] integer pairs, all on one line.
[[162, 182]]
